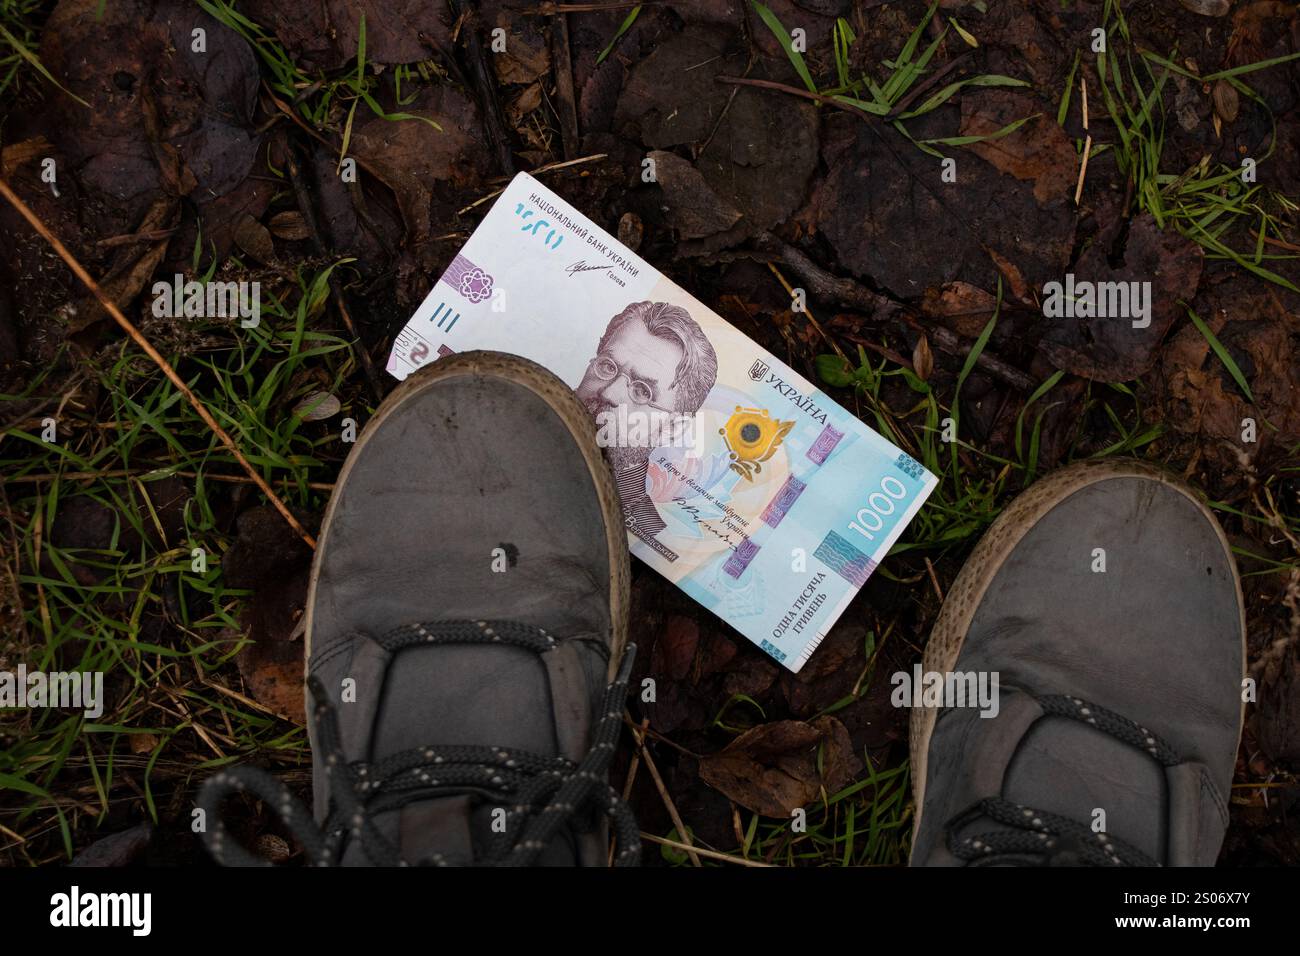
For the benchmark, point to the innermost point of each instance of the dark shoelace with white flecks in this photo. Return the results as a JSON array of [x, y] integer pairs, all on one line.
[[540, 795], [1056, 838]]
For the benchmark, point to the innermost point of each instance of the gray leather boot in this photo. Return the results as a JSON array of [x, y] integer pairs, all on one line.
[[1106, 601], [467, 609]]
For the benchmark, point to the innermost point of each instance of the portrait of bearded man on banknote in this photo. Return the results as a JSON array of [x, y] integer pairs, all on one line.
[[652, 359]]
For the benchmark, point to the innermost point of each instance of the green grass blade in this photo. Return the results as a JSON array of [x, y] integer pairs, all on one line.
[[907, 73], [945, 94], [1233, 369], [21, 49], [1249, 68], [876, 109], [966, 140], [1038, 393], [783, 37], [618, 35], [21, 785], [1063, 109], [971, 358]]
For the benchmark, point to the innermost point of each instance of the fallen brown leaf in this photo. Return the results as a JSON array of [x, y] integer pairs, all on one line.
[[772, 769]]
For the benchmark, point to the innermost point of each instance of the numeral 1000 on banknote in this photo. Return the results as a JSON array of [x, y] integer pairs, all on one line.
[[891, 490]]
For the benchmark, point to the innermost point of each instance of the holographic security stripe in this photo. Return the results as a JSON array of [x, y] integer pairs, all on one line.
[[784, 500], [844, 559], [821, 449], [740, 558]]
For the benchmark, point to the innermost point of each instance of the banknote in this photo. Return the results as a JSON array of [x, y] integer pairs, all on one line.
[[741, 482]]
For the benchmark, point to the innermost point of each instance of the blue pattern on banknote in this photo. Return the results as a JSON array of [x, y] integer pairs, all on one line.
[[844, 559], [909, 466]]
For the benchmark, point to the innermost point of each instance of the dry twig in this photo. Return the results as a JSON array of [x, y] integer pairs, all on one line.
[[147, 347]]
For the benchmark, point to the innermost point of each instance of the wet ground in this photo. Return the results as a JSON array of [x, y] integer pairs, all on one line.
[[231, 158]]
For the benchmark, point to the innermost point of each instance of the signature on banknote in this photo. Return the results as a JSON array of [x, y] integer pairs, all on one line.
[[581, 266], [706, 522]]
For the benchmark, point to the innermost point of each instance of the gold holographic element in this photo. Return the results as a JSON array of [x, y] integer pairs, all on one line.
[[752, 436]]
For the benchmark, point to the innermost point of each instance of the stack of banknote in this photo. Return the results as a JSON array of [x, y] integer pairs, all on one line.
[[741, 482]]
